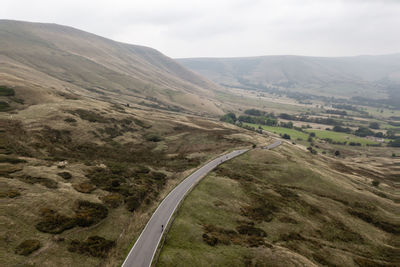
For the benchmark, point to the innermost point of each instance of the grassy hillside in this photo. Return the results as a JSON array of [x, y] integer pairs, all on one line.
[[44, 60], [91, 141], [340, 77], [287, 207], [94, 133], [80, 178]]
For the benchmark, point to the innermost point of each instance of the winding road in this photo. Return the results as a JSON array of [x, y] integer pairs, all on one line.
[[142, 253], [273, 145]]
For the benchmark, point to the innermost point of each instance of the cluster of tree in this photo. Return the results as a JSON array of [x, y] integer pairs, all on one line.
[[305, 118], [331, 141], [363, 131], [395, 142], [354, 144], [312, 150], [288, 125], [229, 118], [341, 129], [374, 125], [345, 106], [394, 123], [336, 112], [251, 128], [392, 101], [263, 120], [257, 112], [253, 116], [391, 134]]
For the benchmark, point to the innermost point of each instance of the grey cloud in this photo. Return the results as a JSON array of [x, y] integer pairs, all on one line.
[[229, 27]]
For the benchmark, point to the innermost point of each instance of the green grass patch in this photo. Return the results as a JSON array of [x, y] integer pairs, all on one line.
[[188, 236], [341, 137], [294, 134]]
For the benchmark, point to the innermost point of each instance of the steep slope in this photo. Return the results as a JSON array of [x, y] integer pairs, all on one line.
[[57, 58], [345, 76]]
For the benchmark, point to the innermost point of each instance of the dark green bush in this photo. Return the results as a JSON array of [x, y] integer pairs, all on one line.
[[84, 187], [89, 213], [118, 167], [39, 180], [70, 120], [256, 241], [141, 169], [210, 239], [113, 132], [132, 203], [112, 200], [159, 176], [363, 131], [395, 143], [312, 150], [250, 230], [4, 106], [354, 144], [6, 91], [291, 236], [376, 221], [12, 160], [27, 247], [89, 115], [229, 117], [95, 246], [65, 175], [375, 183], [374, 125], [285, 192], [11, 193], [153, 137], [141, 123], [54, 223]]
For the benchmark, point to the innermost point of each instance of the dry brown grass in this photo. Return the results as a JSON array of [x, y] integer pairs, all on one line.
[[43, 138]]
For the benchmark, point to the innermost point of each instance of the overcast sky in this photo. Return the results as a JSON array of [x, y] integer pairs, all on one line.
[[229, 28]]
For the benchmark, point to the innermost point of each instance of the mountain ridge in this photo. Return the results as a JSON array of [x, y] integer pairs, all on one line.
[[343, 76], [81, 60]]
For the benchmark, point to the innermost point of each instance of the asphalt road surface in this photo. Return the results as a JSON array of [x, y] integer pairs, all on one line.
[[142, 253], [273, 145]]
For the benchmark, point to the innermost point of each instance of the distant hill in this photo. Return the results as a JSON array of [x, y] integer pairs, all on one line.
[[365, 76], [45, 60]]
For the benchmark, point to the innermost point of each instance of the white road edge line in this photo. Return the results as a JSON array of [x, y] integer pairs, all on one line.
[[158, 243], [123, 264]]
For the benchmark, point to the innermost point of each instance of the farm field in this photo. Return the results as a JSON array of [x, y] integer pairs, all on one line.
[[341, 137], [294, 134], [321, 134]]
